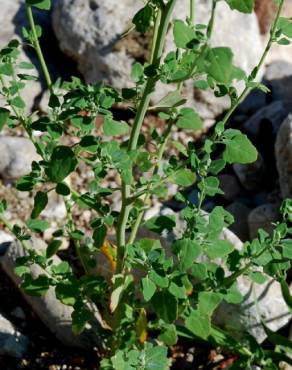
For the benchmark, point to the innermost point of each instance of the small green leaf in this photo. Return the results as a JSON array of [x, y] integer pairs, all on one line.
[[210, 186], [160, 223], [243, 6], [17, 102], [114, 128], [99, 235], [171, 100], [208, 302], [199, 324], [40, 203], [80, 316], [165, 306], [4, 115], [142, 19], [285, 25], [183, 34], [168, 335], [184, 177], [36, 287], [53, 248], [238, 149], [62, 163], [40, 4], [63, 189], [189, 120], [148, 288], [6, 69], [187, 251], [37, 226], [218, 64], [219, 248]]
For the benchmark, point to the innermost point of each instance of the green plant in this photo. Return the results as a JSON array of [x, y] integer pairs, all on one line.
[[149, 293]]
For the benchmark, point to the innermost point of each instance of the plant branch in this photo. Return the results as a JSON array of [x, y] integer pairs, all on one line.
[[38, 49]]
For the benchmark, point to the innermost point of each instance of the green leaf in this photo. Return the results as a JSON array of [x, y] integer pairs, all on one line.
[[218, 248], [67, 292], [80, 316], [114, 128], [199, 324], [210, 186], [184, 177], [238, 149], [243, 6], [17, 102], [187, 250], [148, 288], [285, 25], [287, 249], [183, 34], [63, 189], [36, 287], [137, 73], [159, 278], [62, 163], [208, 302], [62, 268], [189, 120], [171, 100], [4, 115], [3, 205], [40, 4], [165, 306], [37, 226], [155, 358], [142, 19], [40, 203], [99, 235], [6, 69], [258, 277], [53, 248], [218, 64], [168, 335], [160, 223]]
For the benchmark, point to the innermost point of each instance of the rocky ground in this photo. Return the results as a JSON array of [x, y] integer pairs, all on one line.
[[252, 193]]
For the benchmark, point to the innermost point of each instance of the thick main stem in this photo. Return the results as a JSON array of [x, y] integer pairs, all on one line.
[[38, 49], [141, 112]]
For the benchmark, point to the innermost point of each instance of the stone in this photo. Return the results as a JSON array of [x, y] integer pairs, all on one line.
[[92, 37], [18, 313], [260, 302], [267, 119], [54, 314], [56, 209], [16, 156], [240, 213], [262, 217], [230, 186], [12, 342], [251, 176], [283, 150], [278, 78]]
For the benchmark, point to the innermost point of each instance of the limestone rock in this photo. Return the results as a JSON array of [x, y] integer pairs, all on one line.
[[55, 315], [89, 32], [12, 342], [283, 149], [16, 156]]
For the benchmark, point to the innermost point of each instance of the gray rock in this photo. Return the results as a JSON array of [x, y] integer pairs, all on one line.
[[16, 156], [240, 226], [92, 36], [230, 186], [283, 149], [55, 315], [251, 175], [262, 217], [261, 302], [18, 313], [12, 342], [269, 118]]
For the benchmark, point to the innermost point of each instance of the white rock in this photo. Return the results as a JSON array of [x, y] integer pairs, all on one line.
[[283, 149], [12, 342], [89, 34], [16, 156]]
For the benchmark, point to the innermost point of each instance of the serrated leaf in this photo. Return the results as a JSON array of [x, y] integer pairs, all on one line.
[[187, 251], [184, 177], [218, 248], [62, 163], [199, 324], [165, 306], [239, 149], [208, 302]]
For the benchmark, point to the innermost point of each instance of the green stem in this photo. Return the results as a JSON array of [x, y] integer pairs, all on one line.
[[212, 21], [155, 34], [192, 11], [141, 112], [38, 49], [161, 151]]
